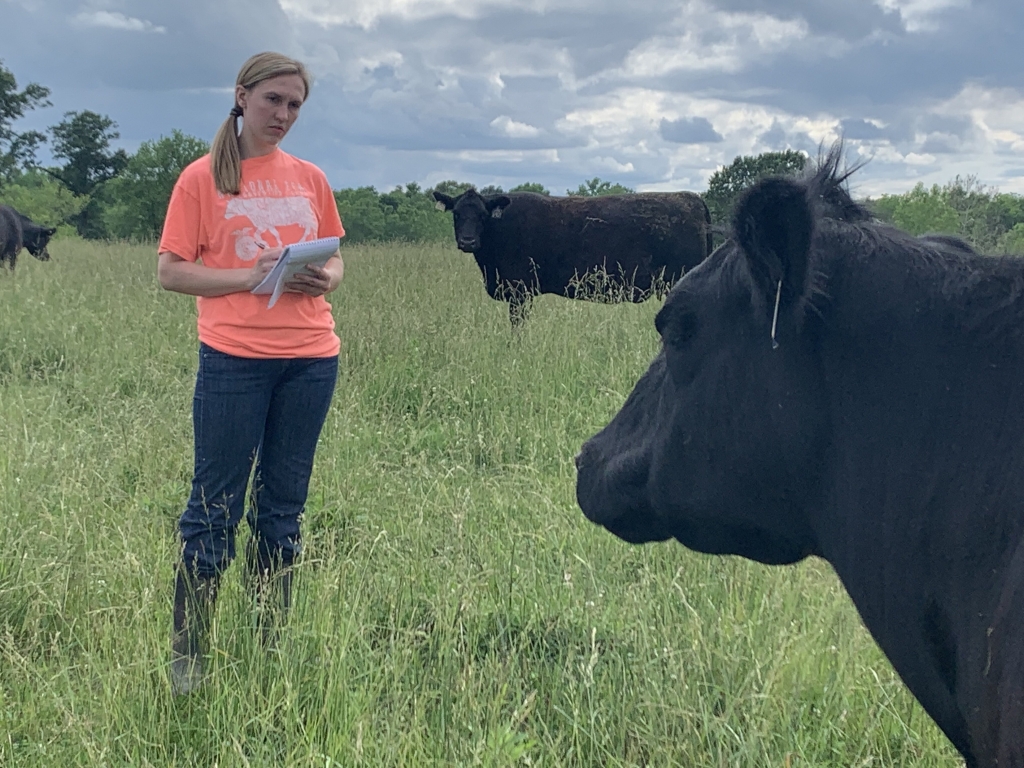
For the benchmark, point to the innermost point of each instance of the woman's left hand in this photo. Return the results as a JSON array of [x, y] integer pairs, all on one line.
[[316, 281]]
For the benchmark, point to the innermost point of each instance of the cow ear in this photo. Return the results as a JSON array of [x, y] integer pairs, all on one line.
[[444, 202], [774, 225], [497, 204]]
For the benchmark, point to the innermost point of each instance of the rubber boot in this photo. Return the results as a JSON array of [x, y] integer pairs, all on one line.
[[194, 600], [270, 583]]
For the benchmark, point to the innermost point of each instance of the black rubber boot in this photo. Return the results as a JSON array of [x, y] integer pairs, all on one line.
[[270, 583], [194, 600]]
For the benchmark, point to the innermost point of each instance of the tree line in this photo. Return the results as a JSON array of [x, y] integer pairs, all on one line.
[[991, 221], [99, 192]]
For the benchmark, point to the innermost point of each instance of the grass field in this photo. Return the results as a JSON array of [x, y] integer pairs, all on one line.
[[453, 605]]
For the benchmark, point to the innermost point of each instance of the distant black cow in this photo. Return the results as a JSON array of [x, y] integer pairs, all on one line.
[[829, 385], [16, 231], [616, 247]]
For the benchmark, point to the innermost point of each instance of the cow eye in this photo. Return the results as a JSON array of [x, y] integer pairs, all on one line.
[[676, 328]]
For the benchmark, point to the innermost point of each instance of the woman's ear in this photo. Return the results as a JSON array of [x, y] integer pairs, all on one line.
[[241, 96]]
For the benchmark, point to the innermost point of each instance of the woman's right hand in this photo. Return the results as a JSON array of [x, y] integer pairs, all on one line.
[[264, 263]]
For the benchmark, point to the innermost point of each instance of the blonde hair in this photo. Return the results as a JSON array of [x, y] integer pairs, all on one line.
[[225, 154]]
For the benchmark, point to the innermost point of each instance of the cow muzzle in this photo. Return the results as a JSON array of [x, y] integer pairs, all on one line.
[[607, 489]]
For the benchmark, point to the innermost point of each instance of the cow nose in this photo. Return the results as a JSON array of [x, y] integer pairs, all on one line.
[[578, 460]]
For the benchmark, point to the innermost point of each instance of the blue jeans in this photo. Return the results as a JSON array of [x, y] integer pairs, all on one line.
[[252, 413]]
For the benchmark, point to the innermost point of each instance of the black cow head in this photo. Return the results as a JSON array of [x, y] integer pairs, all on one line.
[[470, 212], [720, 443], [36, 238]]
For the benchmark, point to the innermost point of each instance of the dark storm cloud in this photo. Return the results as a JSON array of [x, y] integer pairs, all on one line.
[[203, 44], [861, 129], [941, 144], [692, 130], [778, 139], [884, 69], [594, 38]]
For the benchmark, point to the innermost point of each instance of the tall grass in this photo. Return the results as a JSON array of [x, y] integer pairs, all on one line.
[[453, 605]]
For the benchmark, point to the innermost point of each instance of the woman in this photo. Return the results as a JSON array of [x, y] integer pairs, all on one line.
[[266, 375]]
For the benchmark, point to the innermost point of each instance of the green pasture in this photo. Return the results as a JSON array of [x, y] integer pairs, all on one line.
[[454, 608]]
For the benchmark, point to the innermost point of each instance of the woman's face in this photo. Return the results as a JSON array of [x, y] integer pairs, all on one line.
[[269, 109]]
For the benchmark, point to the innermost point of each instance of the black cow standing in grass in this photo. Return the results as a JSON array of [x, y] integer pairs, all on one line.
[[611, 248], [16, 231], [829, 385]]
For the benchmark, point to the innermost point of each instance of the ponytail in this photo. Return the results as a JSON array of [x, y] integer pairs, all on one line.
[[226, 155]]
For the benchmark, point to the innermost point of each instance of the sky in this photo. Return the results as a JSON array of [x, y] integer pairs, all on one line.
[[651, 94]]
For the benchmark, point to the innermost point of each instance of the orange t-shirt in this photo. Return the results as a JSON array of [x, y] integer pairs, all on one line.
[[283, 200]]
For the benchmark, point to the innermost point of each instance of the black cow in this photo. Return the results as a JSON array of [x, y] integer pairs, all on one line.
[[829, 385], [16, 231], [616, 247]]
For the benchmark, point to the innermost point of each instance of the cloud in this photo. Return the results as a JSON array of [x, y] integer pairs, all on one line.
[[919, 15], [941, 144], [689, 130], [915, 158], [509, 127], [557, 91], [865, 130], [113, 20], [367, 13], [791, 134], [509, 155], [889, 154], [711, 40], [611, 164]]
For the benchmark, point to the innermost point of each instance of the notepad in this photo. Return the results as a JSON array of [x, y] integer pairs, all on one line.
[[293, 259]]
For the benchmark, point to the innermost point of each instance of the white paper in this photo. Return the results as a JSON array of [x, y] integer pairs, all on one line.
[[294, 259]]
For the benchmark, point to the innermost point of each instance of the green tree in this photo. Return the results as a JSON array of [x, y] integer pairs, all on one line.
[[43, 199], [491, 189], [726, 184], [596, 188], [531, 186], [919, 211], [140, 192], [361, 215], [1009, 210], [405, 214], [17, 150], [451, 187], [410, 215], [1013, 241], [985, 215], [82, 140]]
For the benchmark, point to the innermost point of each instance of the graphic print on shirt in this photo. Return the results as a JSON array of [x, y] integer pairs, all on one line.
[[267, 207]]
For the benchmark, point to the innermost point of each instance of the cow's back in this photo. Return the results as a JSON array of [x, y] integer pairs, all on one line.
[[551, 242]]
